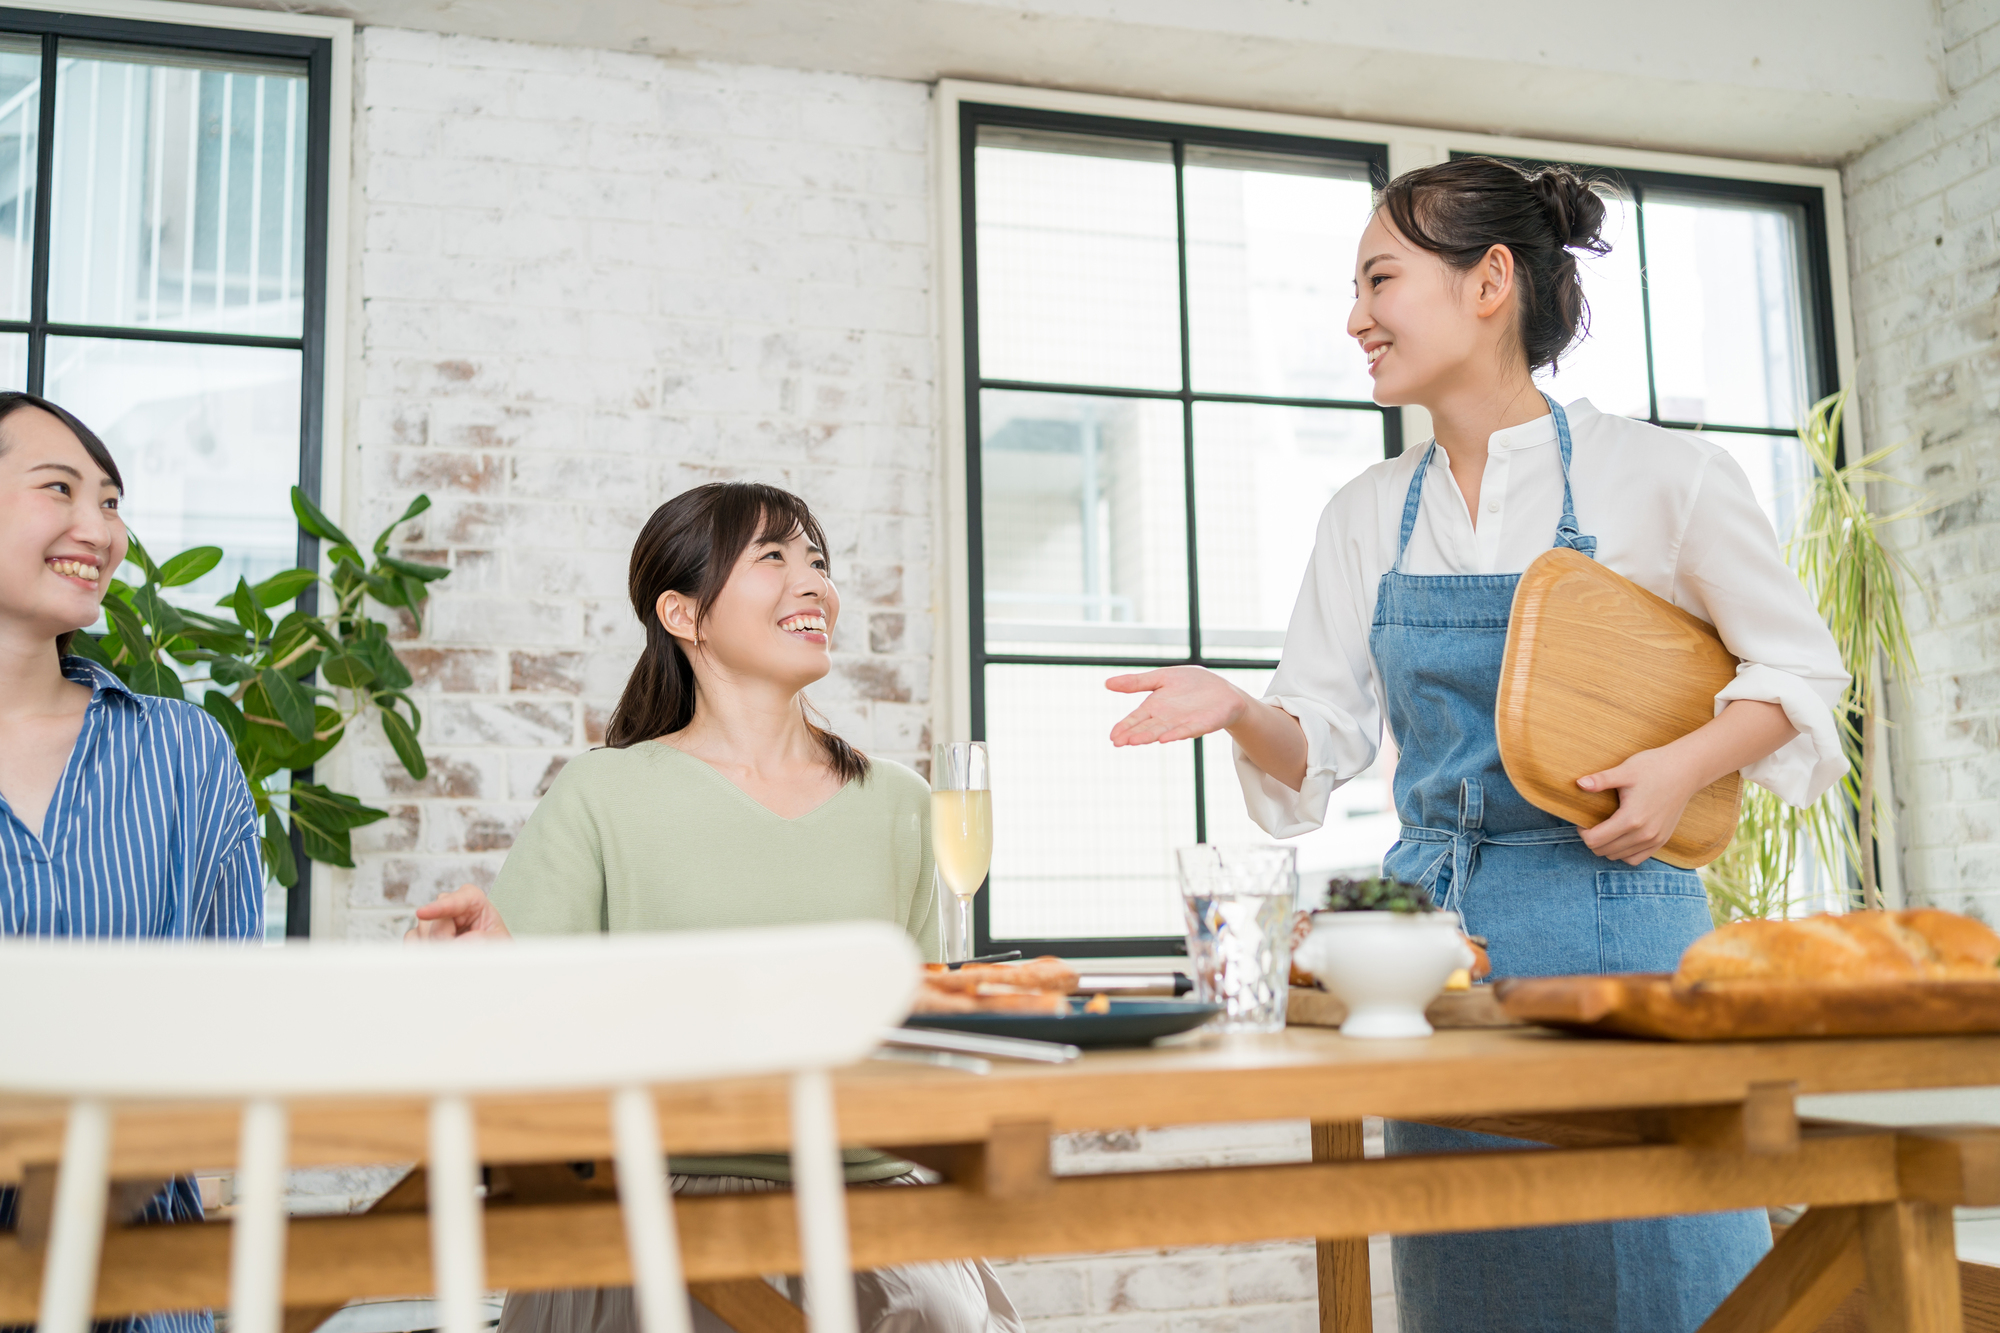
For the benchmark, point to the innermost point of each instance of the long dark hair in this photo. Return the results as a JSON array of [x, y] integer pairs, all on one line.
[[1459, 210], [689, 546], [12, 401]]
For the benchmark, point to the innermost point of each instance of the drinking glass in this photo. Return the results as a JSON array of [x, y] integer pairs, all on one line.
[[1238, 901], [961, 831]]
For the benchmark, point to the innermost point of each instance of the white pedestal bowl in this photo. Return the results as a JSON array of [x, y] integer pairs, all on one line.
[[1385, 966]]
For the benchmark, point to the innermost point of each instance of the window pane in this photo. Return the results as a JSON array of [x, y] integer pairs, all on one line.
[[1271, 247], [1778, 470], [1729, 343], [20, 128], [1360, 822], [1609, 366], [1083, 834], [1085, 518], [179, 196], [1078, 272], [13, 360], [207, 439], [1262, 476]]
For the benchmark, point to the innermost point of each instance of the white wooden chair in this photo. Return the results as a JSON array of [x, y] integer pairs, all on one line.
[[96, 1022]]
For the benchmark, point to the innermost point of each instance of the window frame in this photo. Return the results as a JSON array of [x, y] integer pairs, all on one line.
[[958, 658], [325, 46]]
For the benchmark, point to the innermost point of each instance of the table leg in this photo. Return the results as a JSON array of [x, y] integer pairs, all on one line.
[[1912, 1266], [1346, 1301], [1801, 1282]]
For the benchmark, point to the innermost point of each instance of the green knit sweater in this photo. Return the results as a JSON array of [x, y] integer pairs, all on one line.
[[650, 838]]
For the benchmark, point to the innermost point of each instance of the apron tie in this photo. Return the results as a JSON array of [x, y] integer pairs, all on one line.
[[1461, 845]]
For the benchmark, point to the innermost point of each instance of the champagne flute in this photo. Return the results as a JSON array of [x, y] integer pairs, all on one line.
[[961, 829]]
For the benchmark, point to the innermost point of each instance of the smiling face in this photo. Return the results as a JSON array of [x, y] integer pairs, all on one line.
[[1419, 321], [61, 538], [773, 620]]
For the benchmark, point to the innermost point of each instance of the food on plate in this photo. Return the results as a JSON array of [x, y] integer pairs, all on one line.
[[1099, 1004], [1921, 944], [1045, 973], [1041, 986]]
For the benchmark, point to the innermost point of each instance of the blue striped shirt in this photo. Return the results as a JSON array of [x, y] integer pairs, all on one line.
[[151, 834]]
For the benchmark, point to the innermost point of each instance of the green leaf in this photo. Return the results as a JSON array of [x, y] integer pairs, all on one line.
[[330, 809], [131, 629], [289, 702], [228, 714], [154, 678], [159, 613], [315, 522], [417, 506], [404, 741], [230, 671], [278, 851], [295, 631], [347, 670], [372, 647], [250, 613], [189, 565], [410, 568], [90, 646], [136, 550], [284, 586]]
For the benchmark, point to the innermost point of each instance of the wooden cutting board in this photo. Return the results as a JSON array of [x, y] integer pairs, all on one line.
[[1650, 1005], [1310, 1007], [1597, 669]]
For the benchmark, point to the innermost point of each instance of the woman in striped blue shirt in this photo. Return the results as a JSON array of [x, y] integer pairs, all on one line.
[[122, 815]]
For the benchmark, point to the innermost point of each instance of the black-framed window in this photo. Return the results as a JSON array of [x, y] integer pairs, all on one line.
[[163, 206], [1161, 397], [1713, 312], [1158, 407]]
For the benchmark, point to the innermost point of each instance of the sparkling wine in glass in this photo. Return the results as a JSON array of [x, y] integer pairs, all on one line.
[[961, 830]]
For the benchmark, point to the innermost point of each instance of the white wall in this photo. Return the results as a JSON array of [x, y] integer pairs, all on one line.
[[1926, 289], [588, 281]]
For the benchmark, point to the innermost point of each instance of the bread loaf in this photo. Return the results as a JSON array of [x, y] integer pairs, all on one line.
[[1924, 944]]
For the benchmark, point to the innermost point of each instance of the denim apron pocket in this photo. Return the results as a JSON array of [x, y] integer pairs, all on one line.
[[1647, 915]]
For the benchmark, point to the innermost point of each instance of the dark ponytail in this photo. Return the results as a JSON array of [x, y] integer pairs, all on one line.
[[1460, 210], [690, 546], [12, 401]]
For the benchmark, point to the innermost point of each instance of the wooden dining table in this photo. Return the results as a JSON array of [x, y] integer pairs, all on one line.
[[1629, 1128]]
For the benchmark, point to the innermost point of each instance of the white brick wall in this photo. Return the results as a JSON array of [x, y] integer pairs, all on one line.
[[1926, 283], [588, 281]]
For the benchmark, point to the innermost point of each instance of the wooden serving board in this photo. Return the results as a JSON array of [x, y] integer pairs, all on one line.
[[1643, 1004], [1311, 1007], [1597, 669]]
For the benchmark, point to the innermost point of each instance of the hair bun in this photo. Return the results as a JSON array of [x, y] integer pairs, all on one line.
[[1574, 208]]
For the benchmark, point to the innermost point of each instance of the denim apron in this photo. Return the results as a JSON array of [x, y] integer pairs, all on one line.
[[1547, 905]]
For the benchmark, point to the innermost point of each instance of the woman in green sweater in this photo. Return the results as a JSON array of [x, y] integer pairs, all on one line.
[[718, 801]]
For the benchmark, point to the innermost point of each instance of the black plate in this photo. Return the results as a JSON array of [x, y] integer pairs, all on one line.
[[1130, 1022]]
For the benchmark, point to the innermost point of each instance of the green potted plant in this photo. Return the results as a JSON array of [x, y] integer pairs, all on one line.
[[254, 671], [1855, 577]]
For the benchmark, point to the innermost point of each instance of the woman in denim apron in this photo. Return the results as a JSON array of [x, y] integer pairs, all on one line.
[[1466, 283]]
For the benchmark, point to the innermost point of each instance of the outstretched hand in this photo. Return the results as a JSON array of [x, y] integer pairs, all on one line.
[[466, 913], [1181, 702]]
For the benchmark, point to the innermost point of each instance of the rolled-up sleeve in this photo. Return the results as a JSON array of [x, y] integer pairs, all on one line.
[[1731, 571], [1324, 679]]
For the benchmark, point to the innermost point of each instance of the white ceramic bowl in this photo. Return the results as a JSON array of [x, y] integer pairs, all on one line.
[[1386, 966]]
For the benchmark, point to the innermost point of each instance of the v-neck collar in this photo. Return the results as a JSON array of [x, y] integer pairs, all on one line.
[[745, 796]]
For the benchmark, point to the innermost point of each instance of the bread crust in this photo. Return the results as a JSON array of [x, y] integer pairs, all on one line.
[[1921, 944]]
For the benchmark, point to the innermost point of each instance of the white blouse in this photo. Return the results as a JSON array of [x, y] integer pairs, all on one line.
[[1670, 511]]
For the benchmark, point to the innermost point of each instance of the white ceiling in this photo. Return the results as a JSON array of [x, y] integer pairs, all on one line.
[[1806, 80]]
